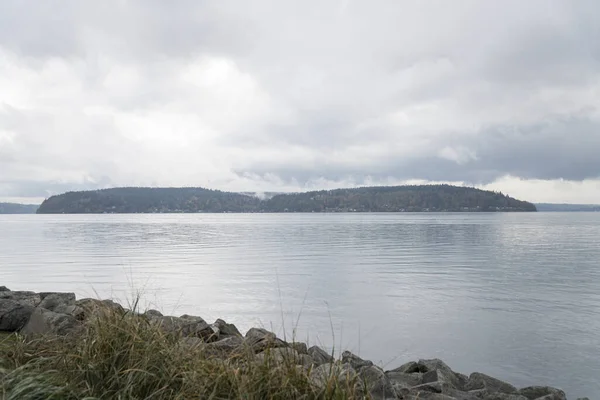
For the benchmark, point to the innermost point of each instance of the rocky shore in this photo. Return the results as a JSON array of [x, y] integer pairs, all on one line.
[[34, 315]]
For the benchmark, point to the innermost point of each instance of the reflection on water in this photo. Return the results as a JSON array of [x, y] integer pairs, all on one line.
[[513, 295]]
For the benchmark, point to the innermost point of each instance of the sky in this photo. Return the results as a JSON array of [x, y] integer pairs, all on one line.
[[273, 95]]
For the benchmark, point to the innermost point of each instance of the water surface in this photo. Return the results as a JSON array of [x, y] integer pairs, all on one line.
[[516, 296]]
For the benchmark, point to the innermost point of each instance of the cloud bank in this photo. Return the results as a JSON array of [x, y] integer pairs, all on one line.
[[280, 96]]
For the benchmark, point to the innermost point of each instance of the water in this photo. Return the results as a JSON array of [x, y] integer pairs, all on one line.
[[516, 296]]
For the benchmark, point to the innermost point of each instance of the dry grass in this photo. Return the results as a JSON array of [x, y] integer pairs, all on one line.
[[123, 356]]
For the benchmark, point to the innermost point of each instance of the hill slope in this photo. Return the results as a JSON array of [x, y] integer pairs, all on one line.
[[13, 208], [397, 199], [367, 199], [148, 200]]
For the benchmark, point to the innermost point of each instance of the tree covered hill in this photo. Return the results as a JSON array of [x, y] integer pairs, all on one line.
[[148, 200], [426, 198], [13, 208], [398, 199]]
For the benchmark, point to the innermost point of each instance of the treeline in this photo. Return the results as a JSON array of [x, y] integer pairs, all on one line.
[[12, 208], [427, 198], [149, 200], [398, 199]]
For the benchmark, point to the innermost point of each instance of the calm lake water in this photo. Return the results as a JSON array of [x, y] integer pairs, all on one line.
[[516, 296]]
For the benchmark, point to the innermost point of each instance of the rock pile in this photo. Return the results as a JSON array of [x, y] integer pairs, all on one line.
[[32, 313]]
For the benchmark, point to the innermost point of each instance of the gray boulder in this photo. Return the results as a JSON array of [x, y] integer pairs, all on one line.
[[411, 367], [300, 347], [259, 334], [54, 301], [443, 376], [226, 329], [186, 326], [355, 361], [74, 311], [435, 370], [94, 307], [500, 396], [434, 391], [319, 355], [46, 322], [14, 315], [283, 355], [26, 298], [542, 392], [225, 347], [481, 381], [4, 289], [427, 396], [341, 374], [441, 388], [404, 380], [153, 314], [377, 383], [261, 339], [431, 387]]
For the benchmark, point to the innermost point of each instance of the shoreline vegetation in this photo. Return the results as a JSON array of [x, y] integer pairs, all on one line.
[[53, 346], [418, 198]]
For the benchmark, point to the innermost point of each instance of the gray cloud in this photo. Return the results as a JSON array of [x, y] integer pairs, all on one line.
[[268, 94]]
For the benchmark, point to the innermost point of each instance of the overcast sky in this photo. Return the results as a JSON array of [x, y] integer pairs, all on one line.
[[296, 95]]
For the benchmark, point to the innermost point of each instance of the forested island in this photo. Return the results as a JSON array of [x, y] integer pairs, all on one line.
[[12, 208], [423, 198]]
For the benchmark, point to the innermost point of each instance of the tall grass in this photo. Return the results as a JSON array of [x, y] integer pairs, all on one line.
[[121, 355]]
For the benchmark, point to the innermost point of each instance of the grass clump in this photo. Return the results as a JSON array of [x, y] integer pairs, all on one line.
[[122, 355]]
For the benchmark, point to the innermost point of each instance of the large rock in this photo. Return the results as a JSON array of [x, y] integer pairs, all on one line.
[[14, 315], [54, 301], [355, 361], [545, 392], [404, 380], [443, 376], [46, 322], [26, 298], [481, 381], [431, 387], [300, 347], [153, 314], [500, 396], [319, 355], [93, 307], [226, 329], [411, 367], [343, 375], [186, 326], [228, 346], [283, 355], [427, 396], [377, 383], [260, 339], [4, 289], [435, 370]]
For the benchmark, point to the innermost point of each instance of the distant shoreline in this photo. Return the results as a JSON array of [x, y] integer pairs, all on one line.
[[417, 198]]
